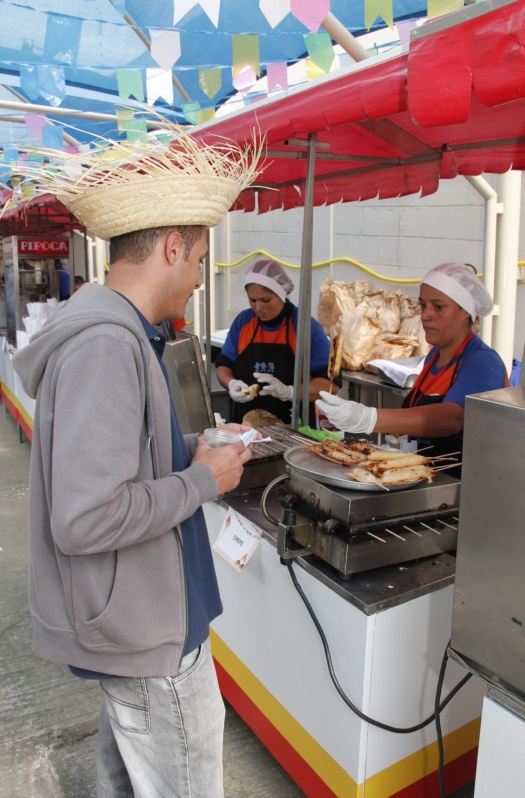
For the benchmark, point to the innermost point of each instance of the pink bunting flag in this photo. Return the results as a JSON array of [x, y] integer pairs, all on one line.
[[277, 76], [310, 12]]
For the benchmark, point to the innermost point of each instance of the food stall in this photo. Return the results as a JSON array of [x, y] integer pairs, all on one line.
[[340, 620], [348, 713]]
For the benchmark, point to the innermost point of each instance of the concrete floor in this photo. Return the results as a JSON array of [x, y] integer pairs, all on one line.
[[49, 718]]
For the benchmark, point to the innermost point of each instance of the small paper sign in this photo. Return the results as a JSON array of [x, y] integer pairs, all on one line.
[[237, 540]]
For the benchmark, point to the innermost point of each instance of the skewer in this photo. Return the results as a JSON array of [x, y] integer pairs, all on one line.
[[376, 537], [445, 456], [450, 465], [424, 449], [449, 525], [298, 438], [412, 530], [430, 527], [390, 532]]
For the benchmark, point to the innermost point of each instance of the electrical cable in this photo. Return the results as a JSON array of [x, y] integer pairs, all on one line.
[[439, 706]]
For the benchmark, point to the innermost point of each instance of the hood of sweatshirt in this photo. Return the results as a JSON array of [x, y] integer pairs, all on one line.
[[93, 304]]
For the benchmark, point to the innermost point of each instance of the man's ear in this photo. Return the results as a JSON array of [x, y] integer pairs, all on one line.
[[173, 247]]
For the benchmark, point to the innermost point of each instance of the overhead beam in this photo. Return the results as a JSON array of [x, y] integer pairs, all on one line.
[[67, 137], [344, 38]]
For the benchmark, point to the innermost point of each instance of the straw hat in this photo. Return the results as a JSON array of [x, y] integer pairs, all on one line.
[[119, 187]]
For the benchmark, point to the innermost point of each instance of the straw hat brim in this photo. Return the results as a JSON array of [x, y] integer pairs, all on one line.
[[113, 210]]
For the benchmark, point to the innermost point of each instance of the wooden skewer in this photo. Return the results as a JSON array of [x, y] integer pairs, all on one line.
[[445, 456], [450, 465]]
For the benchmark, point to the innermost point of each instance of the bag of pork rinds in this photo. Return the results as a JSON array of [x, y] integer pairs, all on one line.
[[335, 298], [360, 328], [389, 346]]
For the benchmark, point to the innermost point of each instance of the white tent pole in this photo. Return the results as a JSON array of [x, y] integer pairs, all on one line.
[[32, 108], [492, 209], [344, 38], [67, 138], [506, 278], [100, 260]]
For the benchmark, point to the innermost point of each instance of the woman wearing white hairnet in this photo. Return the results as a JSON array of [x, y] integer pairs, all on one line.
[[260, 347], [459, 364]]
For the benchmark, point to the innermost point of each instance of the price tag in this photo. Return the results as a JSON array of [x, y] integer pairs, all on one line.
[[237, 540]]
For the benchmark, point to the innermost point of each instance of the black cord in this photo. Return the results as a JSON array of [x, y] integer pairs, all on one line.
[[441, 761], [397, 730]]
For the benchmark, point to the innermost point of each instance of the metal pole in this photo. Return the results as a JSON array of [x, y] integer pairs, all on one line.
[[492, 208], [506, 277], [302, 354], [208, 304]]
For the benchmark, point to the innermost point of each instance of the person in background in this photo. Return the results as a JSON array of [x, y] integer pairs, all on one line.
[[261, 343], [79, 281], [64, 281], [451, 298], [122, 581]]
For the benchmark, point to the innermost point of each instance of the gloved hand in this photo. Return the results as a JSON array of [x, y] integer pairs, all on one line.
[[235, 389], [274, 387], [346, 415]]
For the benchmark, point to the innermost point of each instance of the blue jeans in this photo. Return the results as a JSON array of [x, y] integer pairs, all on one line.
[[162, 737]]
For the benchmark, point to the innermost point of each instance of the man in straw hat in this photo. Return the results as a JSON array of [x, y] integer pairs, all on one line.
[[122, 583]]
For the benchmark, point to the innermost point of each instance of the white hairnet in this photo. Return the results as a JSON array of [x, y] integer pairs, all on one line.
[[459, 282], [271, 275]]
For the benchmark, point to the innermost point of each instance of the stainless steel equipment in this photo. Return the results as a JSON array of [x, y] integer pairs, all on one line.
[[187, 381], [488, 624], [357, 530]]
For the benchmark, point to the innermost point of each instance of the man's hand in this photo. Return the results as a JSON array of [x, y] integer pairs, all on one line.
[[226, 462], [274, 387]]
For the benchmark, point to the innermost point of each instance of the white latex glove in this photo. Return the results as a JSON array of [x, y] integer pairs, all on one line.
[[274, 387], [345, 415], [235, 389]]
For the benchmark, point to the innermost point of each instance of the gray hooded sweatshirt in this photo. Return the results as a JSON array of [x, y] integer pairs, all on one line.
[[107, 584]]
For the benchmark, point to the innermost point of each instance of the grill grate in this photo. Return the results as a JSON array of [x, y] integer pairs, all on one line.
[[282, 438]]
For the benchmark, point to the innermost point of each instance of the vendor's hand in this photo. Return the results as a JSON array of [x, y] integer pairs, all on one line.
[[345, 415], [235, 388], [225, 462], [274, 387]]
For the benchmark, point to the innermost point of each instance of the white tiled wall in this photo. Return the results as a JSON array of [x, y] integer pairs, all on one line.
[[397, 238]]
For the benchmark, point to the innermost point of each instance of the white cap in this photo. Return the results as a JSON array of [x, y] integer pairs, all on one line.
[[270, 274], [459, 282]]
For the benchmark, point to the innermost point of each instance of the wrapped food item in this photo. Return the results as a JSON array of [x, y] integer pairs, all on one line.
[[360, 290], [389, 307], [411, 327], [391, 346], [359, 328], [335, 298]]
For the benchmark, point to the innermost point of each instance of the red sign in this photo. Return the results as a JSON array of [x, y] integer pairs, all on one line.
[[40, 248]]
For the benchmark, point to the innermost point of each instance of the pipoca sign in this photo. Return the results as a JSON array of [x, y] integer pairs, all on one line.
[[38, 248]]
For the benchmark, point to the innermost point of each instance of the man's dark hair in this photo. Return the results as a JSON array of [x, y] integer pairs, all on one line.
[[137, 246]]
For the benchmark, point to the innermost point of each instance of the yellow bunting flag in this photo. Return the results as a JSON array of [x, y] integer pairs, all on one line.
[[205, 115], [245, 51], [210, 81], [379, 8], [312, 70], [437, 8], [123, 116]]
